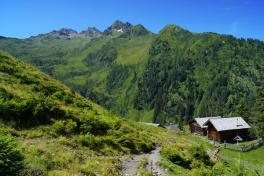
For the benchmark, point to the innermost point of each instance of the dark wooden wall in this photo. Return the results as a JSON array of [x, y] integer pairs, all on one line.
[[226, 136], [229, 136], [195, 128], [213, 134]]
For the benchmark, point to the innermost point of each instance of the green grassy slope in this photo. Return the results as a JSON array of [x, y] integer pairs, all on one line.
[[183, 155], [44, 52], [65, 59], [58, 130]]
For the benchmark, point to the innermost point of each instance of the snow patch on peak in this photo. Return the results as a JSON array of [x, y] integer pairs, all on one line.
[[119, 30]]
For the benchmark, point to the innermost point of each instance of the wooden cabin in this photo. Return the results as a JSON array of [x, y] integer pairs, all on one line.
[[227, 129], [197, 125]]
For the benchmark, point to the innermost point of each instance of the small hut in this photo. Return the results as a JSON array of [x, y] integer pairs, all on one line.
[[197, 125], [227, 129]]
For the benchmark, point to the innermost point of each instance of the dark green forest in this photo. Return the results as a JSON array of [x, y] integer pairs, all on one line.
[[200, 75]]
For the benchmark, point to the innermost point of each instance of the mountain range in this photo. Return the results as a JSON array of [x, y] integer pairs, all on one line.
[[166, 77]]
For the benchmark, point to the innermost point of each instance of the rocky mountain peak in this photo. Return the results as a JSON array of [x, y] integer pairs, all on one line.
[[64, 32], [118, 27], [91, 32], [61, 33]]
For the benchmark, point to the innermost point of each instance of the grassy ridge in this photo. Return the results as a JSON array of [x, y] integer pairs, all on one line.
[[58, 129]]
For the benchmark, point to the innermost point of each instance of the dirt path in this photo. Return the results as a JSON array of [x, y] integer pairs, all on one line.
[[130, 164], [154, 160]]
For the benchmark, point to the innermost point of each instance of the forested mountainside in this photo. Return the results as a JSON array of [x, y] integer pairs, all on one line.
[[164, 77], [200, 75]]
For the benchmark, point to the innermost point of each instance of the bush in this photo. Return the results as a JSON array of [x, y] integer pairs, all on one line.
[[197, 164], [219, 169], [188, 157], [64, 127], [87, 140], [176, 156], [95, 126], [11, 159], [199, 153]]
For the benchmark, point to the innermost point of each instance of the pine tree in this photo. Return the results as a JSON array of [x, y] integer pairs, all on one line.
[[258, 118]]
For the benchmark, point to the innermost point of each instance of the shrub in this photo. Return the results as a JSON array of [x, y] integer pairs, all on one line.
[[199, 153], [202, 171], [176, 156], [88, 140], [219, 169], [64, 127], [94, 126], [188, 157], [11, 159], [196, 164]]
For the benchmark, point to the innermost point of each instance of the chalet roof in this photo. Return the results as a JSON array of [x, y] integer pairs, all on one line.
[[201, 121], [231, 123]]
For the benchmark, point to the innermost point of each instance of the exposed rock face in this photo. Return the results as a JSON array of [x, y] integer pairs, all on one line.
[[137, 30], [91, 32], [118, 27], [64, 32]]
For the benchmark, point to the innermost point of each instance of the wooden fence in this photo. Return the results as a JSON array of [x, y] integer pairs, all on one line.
[[244, 147]]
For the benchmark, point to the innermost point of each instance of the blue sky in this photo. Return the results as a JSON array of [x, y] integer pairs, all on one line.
[[242, 18]]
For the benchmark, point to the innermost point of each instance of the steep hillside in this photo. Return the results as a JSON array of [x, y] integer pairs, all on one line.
[[199, 75], [45, 116]]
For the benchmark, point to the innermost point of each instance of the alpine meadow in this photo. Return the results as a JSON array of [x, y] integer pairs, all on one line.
[[126, 101]]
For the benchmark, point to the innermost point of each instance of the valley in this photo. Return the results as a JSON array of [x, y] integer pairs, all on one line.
[[73, 103]]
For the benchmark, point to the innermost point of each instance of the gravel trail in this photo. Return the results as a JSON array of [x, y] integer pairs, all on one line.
[[130, 164]]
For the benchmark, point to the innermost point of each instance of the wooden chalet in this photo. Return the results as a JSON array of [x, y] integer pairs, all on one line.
[[197, 125], [227, 129]]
